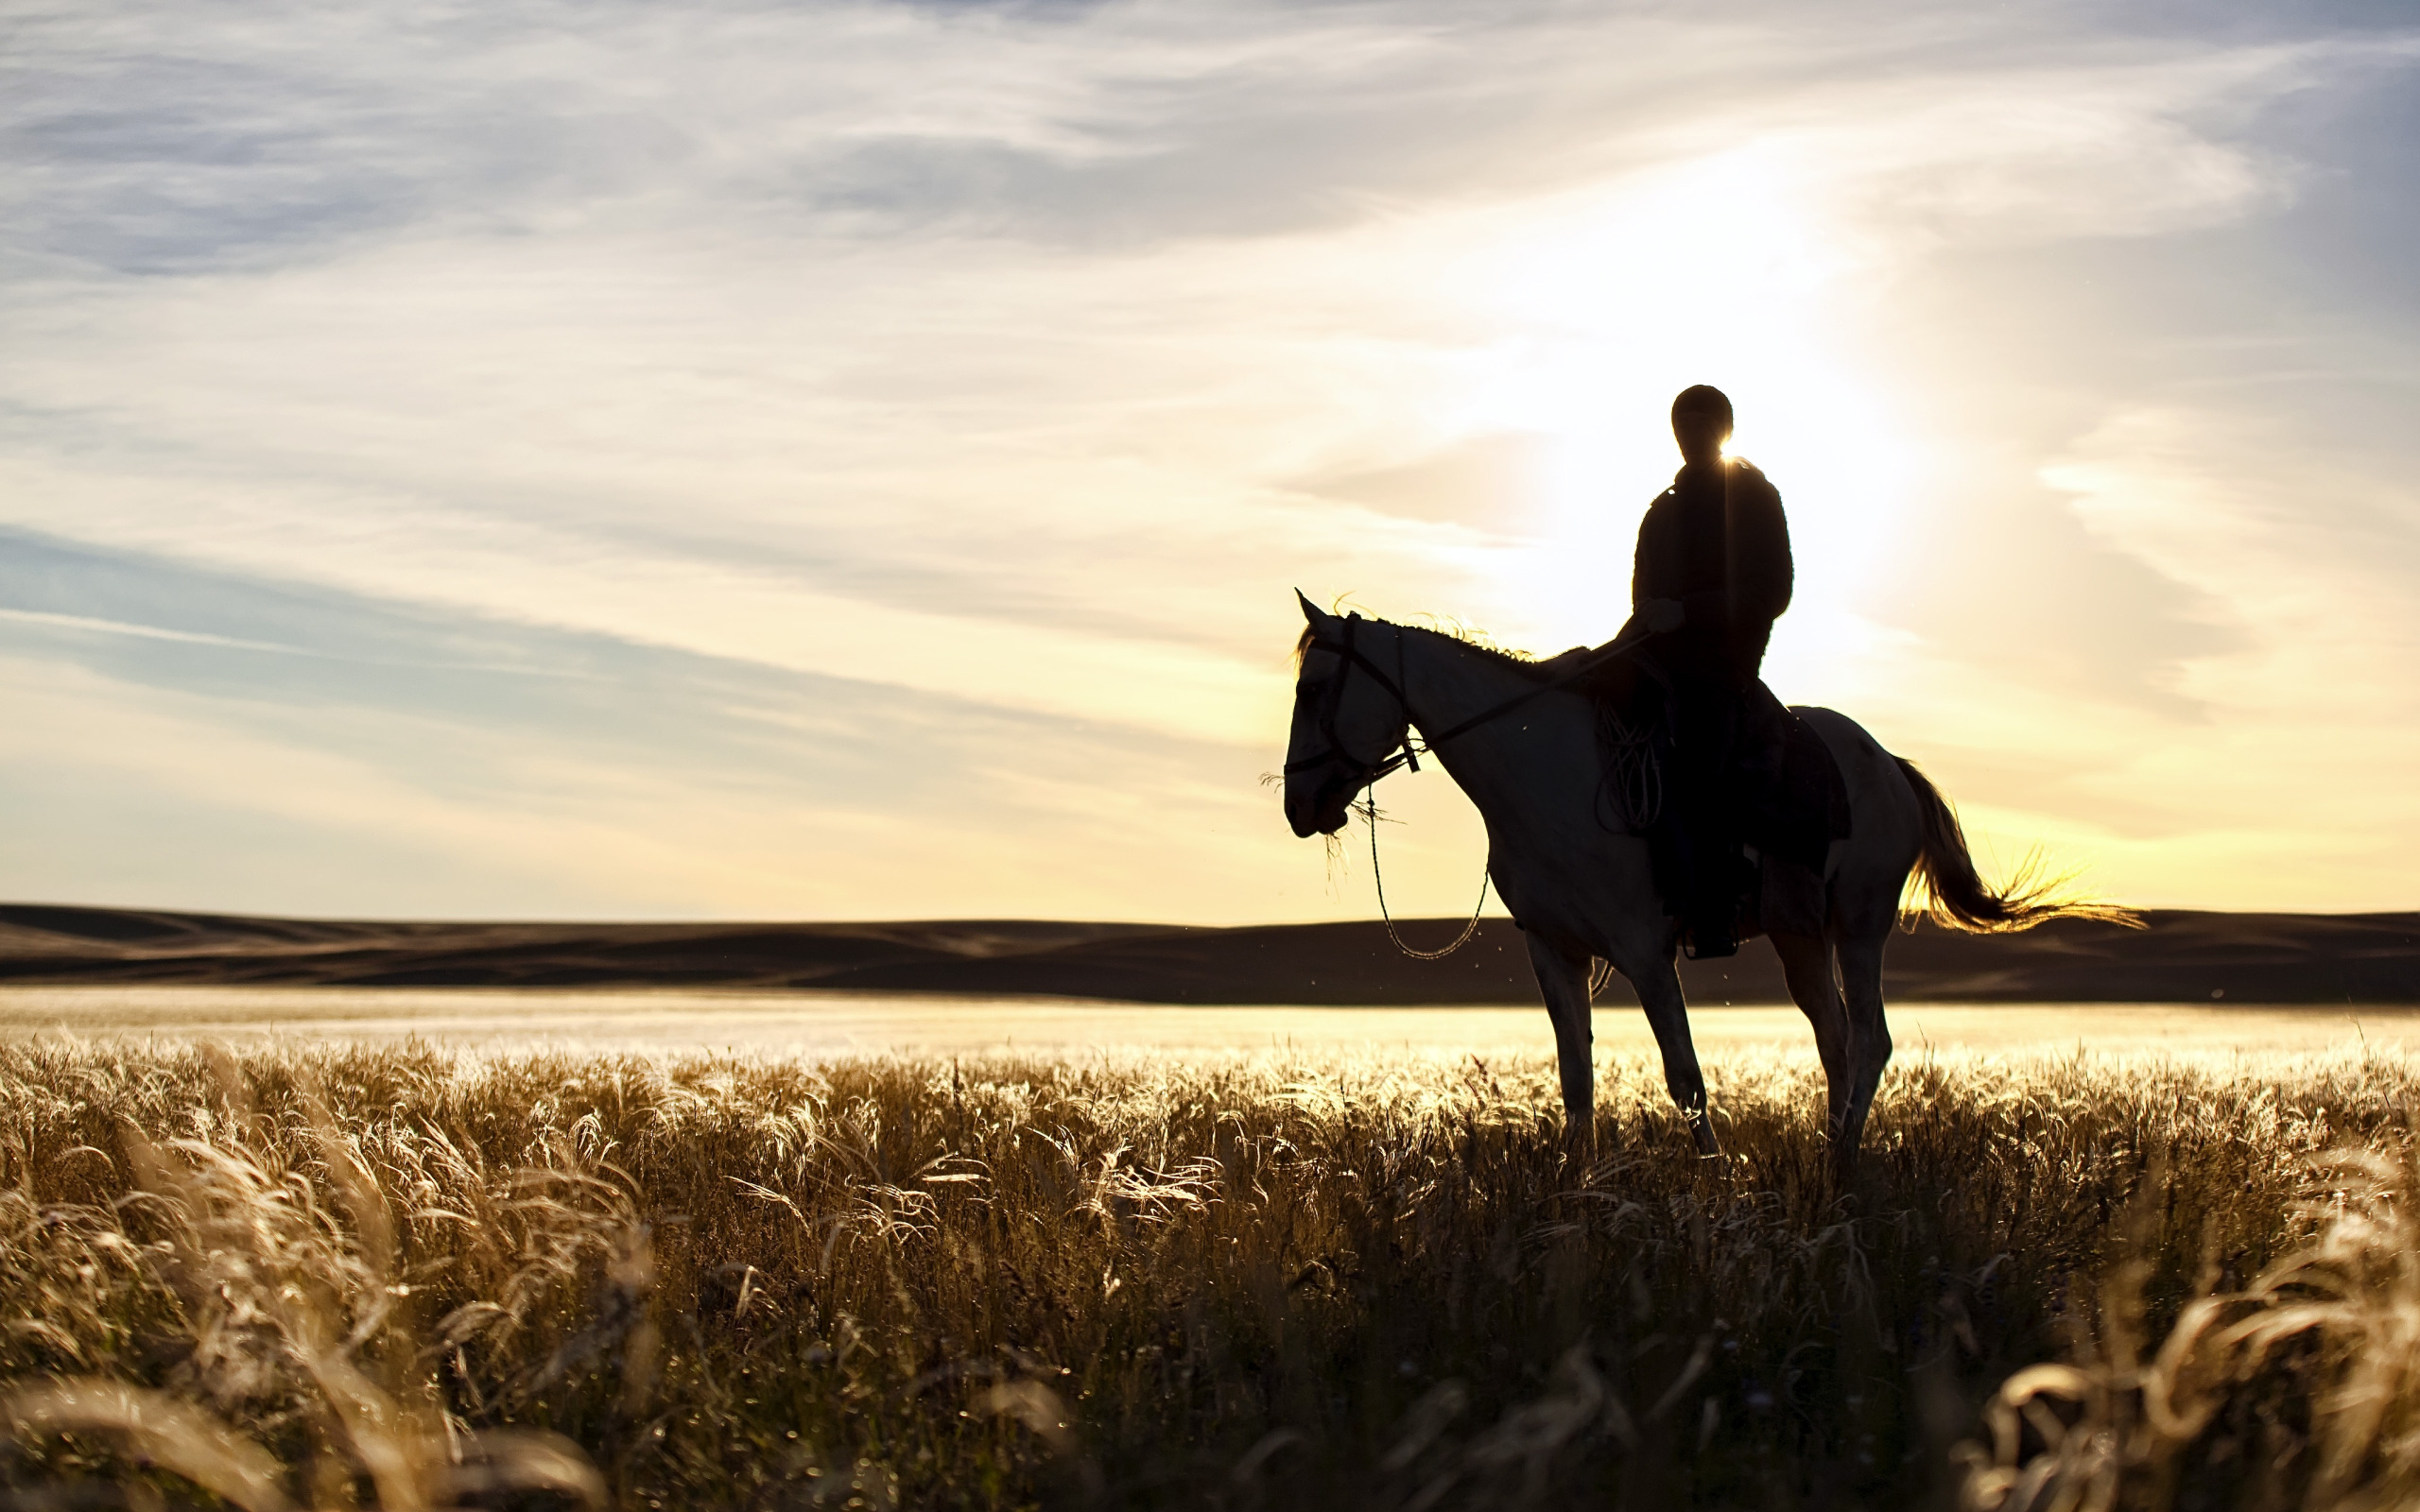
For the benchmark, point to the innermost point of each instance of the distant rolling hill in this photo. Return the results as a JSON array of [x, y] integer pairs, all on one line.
[[2183, 957]]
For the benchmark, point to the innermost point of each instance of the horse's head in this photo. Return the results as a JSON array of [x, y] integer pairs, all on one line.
[[1349, 716]]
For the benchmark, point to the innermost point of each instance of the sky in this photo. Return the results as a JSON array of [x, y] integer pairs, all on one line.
[[854, 460]]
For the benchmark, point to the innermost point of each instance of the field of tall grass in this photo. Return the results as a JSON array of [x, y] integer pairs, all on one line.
[[409, 1278]]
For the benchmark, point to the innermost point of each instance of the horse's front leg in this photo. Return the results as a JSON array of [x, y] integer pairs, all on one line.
[[1658, 986], [1563, 979]]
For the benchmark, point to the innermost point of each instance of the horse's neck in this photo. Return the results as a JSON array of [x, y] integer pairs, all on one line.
[[1447, 682]]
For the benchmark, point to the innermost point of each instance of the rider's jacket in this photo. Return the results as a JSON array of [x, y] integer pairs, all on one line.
[[1717, 541]]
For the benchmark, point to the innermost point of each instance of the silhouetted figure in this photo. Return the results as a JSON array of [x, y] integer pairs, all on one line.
[[1713, 573]]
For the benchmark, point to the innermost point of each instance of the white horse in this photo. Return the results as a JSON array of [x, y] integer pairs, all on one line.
[[1526, 754]]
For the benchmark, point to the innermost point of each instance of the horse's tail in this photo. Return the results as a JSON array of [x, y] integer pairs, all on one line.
[[1952, 894]]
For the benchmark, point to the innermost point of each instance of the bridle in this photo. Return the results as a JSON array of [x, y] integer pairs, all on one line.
[[1332, 700], [1351, 656]]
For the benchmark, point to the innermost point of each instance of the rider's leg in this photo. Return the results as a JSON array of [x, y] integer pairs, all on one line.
[[1705, 711], [1563, 978]]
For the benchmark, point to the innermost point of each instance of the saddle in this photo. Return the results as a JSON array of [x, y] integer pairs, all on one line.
[[1788, 799]]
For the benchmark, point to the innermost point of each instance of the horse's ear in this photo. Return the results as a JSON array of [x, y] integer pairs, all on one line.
[[1310, 611]]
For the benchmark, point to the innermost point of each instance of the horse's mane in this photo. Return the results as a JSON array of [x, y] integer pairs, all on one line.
[[1478, 640], [1463, 635]]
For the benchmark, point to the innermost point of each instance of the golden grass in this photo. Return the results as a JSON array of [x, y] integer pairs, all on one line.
[[403, 1277]]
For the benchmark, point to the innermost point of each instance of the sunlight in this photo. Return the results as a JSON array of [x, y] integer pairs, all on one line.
[[1726, 270], [858, 460]]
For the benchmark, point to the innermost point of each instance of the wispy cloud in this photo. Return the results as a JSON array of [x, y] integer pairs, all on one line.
[[1014, 362]]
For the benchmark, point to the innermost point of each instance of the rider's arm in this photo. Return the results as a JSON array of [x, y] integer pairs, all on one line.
[[1763, 575], [1656, 572], [1649, 569]]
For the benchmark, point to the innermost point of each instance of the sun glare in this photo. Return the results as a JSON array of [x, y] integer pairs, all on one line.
[[1604, 305]]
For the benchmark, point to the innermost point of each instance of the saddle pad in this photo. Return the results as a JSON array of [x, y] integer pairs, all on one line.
[[1793, 801]]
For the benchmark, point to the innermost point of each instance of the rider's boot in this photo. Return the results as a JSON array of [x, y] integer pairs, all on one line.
[[1711, 924], [1712, 932]]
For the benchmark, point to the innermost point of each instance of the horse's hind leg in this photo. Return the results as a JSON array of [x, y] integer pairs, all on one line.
[[1868, 1034], [1562, 980], [1807, 964]]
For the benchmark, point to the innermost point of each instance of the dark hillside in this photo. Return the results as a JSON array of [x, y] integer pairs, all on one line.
[[2183, 957]]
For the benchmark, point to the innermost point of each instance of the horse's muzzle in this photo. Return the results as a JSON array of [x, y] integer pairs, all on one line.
[[1322, 809]]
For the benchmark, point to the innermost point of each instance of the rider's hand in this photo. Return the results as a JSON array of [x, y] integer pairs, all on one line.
[[1663, 616]]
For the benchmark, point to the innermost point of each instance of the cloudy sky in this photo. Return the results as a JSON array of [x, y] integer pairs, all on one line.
[[853, 460]]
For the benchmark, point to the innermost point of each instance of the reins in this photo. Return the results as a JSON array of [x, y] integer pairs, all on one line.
[[1409, 756], [1370, 817]]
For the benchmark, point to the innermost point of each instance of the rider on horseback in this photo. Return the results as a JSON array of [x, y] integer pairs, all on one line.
[[1713, 573]]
